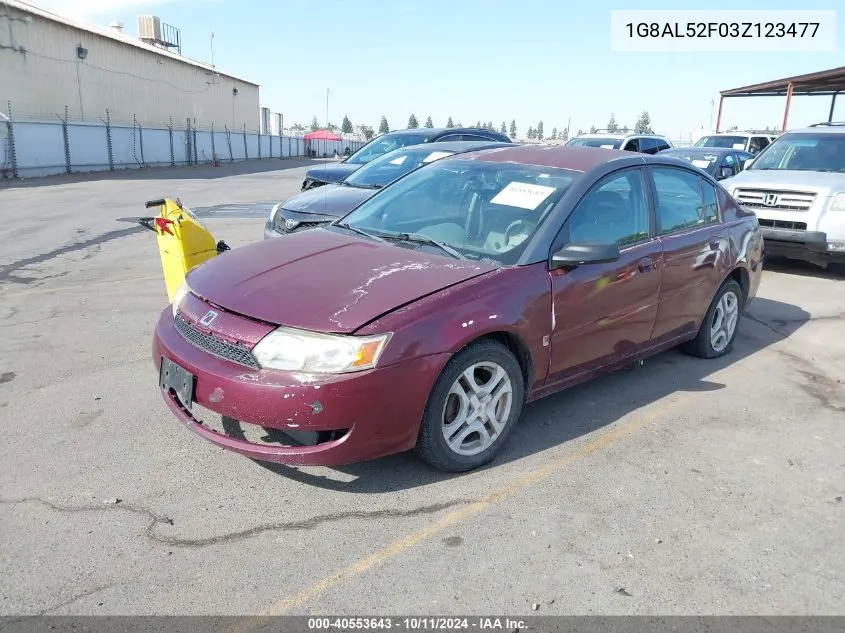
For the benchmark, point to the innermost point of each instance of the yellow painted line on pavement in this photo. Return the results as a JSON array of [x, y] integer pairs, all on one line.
[[518, 484]]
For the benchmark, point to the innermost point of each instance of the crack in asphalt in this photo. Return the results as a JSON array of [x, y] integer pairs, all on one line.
[[151, 531], [80, 596], [7, 271]]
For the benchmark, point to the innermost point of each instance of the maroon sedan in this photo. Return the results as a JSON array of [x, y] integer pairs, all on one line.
[[428, 316]]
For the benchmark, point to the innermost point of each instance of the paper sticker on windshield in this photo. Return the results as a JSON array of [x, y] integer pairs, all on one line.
[[606, 146], [436, 156], [703, 164], [739, 146], [398, 160], [523, 195]]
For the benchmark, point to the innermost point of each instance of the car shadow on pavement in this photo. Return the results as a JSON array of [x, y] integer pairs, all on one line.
[[182, 172], [834, 272], [568, 415]]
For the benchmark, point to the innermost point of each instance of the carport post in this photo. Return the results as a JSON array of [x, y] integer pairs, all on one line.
[[246, 151], [66, 139], [786, 109], [832, 105], [213, 151], [719, 115], [13, 157]]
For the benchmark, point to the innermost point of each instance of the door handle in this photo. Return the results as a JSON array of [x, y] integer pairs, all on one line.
[[645, 264]]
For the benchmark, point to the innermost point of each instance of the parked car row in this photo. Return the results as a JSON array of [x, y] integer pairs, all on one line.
[[444, 285], [381, 145]]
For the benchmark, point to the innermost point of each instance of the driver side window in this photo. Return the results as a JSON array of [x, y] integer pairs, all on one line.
[[614, 210]]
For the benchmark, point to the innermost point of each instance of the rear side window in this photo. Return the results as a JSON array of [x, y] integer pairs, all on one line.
[[449, 137], [711, 203], [633, 145], [680, 202], [757, 144], [648, 145], [661, 145]]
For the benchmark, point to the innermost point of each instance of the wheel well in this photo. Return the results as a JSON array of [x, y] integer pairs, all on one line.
[[519, 349], [740, 276]]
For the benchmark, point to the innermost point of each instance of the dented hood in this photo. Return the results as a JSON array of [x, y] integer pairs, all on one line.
[[325, 280]]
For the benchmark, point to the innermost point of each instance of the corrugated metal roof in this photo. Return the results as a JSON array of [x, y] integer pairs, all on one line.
[[825, 82], [114, 35]]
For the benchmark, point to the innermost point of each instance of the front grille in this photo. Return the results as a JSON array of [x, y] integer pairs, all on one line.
[[783, 200], [279, 225], [783, 224], [214, 346]]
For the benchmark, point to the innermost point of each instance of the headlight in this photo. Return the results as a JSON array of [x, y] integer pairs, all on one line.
[[179, 297], [838, 202], [273, 211], [297, 350]]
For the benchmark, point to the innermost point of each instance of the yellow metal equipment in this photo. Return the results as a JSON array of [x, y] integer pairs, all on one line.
[[183, 242]]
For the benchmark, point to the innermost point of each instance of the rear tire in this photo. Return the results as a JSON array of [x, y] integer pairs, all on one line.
[[472, 408], [718, 329]]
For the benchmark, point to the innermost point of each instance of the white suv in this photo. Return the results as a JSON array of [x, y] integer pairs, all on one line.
[[628, 141], [796, 187], [751, 142]]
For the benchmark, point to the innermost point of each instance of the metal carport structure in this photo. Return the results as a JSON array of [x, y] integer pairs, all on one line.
[[824, 83]]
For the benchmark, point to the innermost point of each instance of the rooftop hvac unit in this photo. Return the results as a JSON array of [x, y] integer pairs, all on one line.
[[149, 28]]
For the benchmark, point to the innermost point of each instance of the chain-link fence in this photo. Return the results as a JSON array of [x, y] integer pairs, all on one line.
[[35, 146]]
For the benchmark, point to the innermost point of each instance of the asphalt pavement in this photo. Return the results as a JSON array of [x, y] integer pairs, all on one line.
[[683, 486]]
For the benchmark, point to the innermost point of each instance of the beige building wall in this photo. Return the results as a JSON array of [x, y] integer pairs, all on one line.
[[41, 72]]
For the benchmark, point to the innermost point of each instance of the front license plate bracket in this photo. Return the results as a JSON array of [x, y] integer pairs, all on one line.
[[174, 378]]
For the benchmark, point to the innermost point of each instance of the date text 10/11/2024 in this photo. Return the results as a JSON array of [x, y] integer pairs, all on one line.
[[722, 29]]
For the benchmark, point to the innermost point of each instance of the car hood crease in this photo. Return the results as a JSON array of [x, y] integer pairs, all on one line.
[[324, 280]]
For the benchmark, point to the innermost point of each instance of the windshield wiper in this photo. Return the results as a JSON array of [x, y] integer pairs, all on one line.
[[372, 236], [424, 239]]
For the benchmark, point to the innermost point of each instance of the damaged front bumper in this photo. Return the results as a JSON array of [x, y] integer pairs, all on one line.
[[354, 417]]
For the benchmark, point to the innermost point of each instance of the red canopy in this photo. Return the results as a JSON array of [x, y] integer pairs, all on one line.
[[322, 135]]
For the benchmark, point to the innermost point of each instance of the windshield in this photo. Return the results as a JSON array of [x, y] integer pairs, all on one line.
[[380, 146], [720, 140], [804, 152], [479, 209], [606, 143], [702, 160], [387, 168]]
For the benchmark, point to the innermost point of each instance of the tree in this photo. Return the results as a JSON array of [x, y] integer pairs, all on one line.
[[564, 136], [643, 125], [504, 128], [459, 124], [580, 132], [592, 129], [530, 133], [490, 126], [412, 122], [297, 127], [554, 134], [314, 125], [449, 123], [367, 132], [611, 125], [383, 127], [331, 127], [346, 126], [429, 122], [513, 128], [478, 124], [540, 130]]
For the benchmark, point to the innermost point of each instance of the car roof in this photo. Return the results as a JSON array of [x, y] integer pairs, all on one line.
[[820, 128], [702, 150], [561, 156], [430, 132], [618, 135], [455, 146]]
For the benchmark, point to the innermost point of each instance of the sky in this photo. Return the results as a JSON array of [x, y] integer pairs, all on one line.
[[488, 60]]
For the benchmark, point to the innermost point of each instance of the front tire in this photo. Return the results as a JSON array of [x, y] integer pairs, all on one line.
[[718, 329], [472, 408]]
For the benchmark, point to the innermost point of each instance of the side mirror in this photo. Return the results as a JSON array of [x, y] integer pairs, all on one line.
[[747, 163], [725, 172], [578, 254]]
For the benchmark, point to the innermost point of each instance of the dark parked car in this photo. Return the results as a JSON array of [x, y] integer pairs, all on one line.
[[318, 176], [719, 163], [428, 316], [312, 208]]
